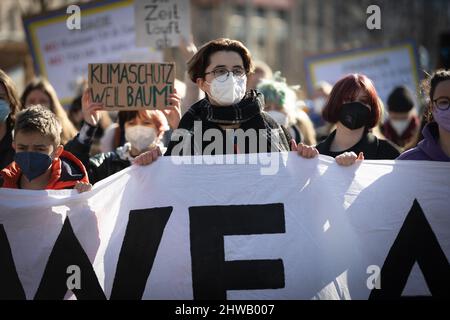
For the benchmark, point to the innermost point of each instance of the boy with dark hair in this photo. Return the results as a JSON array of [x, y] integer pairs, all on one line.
[[40, 162]]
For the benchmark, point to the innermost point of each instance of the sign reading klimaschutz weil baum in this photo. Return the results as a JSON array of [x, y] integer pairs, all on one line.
[[161, 23], [132, 86]]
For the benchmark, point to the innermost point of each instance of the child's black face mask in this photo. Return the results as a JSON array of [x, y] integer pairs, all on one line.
[[33, 164], [354, 115]]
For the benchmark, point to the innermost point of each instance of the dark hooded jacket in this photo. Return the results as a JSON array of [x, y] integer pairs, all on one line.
[[270, 135], [372, 147]]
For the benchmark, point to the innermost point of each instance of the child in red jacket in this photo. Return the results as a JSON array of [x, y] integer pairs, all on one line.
[[40, 162]]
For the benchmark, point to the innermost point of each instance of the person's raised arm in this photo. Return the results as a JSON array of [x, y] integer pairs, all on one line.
[[80, 146], [193, 93], [173, 111]]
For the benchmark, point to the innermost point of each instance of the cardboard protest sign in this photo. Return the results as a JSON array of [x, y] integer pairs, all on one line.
[[132, 86], [161, 23]]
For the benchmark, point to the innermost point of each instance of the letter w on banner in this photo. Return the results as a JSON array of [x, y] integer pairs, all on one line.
[[314, 230]]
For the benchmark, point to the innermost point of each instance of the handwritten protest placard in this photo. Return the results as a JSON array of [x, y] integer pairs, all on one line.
[[161, 23], [132, 86]]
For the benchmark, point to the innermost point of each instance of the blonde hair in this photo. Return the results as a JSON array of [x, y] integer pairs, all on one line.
[[306, 127], [11, 92], [68, 129]]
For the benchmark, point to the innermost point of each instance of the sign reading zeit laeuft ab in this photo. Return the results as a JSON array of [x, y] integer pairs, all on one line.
[[132, 86], [161, 24]]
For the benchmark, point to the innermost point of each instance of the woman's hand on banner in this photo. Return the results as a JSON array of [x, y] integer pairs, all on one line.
[[348, 158], [83, 187], [307, 152], [91, 110], [148, 157]]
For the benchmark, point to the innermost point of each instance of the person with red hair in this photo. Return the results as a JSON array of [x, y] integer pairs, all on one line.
[[355, 108], [139, 135]]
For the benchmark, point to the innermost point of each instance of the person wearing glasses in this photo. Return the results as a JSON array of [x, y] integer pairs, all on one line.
[[436, 143], [220, 69]]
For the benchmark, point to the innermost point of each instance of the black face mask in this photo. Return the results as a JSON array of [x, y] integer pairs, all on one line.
[[354, 115]]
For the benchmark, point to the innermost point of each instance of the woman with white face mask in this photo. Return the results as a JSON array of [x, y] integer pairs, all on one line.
[[220, 69], [139, 134], [143, 131], [403, 123]]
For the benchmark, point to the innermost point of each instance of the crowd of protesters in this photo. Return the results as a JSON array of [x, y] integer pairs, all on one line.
[[46, 146]]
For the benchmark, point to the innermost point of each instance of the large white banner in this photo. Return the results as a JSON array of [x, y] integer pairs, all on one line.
[[309, 230]]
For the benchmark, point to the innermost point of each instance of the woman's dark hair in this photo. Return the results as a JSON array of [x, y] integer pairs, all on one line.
[[201, 60], [429, 87], [68, 129], [119, 134]]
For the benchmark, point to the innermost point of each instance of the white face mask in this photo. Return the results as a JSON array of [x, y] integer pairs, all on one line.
[[400, 126], [229, 92], [318, 105], [279, 117], [140, 137]]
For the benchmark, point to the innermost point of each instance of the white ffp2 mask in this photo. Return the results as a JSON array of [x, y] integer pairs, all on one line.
[[400, 126], [229, 92], [140, 137]]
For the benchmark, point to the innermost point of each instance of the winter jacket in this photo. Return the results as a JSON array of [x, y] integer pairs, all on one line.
[[259, 122], [66, 172], [372, 147], [101, 165]]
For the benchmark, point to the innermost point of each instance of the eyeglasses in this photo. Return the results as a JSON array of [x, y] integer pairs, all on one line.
[[222, 74], [442, 103]]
